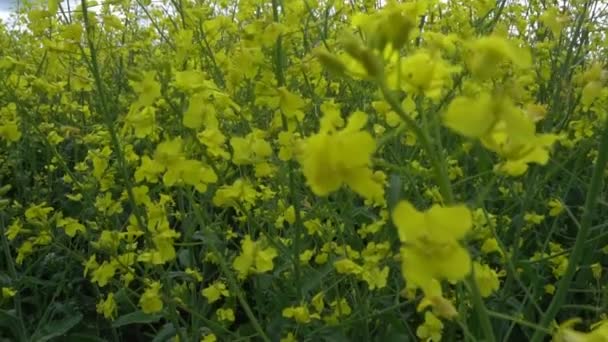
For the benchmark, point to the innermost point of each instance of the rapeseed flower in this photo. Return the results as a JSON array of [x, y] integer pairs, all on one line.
[[430, 243], [332, 159]]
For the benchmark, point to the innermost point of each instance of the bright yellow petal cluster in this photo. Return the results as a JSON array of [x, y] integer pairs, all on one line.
[[332, 159], [502, 127], [254, 258], [430, 243]]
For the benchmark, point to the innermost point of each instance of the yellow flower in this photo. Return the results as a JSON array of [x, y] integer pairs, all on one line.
[[71, 226], [250, 149], [225, 314], [486, 279], [533, 218], [189, 172], [289, 338], [107, 307], [596, 270], [433, 297], [148, 89], [194, 274], [423, 73], [168, 152], [430, 247], [566, 332], [215, 291], [14, 229], [209, 338], [149, 170], [150, 301], [347, 266], [556, 207], [299, 313], [253, 258], [432, 328], [471, 117], [142, 120], [317, 302], [8, 292], [200, 113], [374, 276], [102, 274], [240, 191], [330, 160], [489, 52]]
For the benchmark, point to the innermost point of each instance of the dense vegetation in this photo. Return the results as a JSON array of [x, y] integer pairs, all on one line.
[[304, 170]]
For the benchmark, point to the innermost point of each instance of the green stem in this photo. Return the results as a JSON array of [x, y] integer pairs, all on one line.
[[103, 106], [232, 281], [442, 179], [517, 320], [13, 273], [297, 231], [595, 187]]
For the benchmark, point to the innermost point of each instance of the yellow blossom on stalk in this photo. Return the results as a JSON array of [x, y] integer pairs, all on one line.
[[226, 315], [330, 159], [431, 330], [556, 207], [566, 332], [423, 73], [502, 128], [71, 226], [209, 338], [102, 274], [142, 120], [533, 218], [25, 250], [200, 113], [254, 258], [487, 53], [214, 141], [289, 338], [215, 291], [340, 308], [107, 307], [149, 170], [239, 191], [300, 314], [433, 297], [168, 152], [14, 229], [151, 301], [251, 149], [430, 243], [190, 172], [486, 278], [148, 89], [596, 270], [9, 123], [8, 292]]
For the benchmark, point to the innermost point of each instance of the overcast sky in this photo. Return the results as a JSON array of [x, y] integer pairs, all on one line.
[[6, 7]]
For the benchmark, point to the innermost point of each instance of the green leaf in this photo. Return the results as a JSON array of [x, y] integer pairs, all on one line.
[[135, 318], [57, 328], [166, 332], [9, 320]]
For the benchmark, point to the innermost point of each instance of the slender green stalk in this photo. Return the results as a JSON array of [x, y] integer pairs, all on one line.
[[445, 188], [297, 231], [232, 281], [595, 188], [517, 321], [13, 272], [103, 105], [441, 179]]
